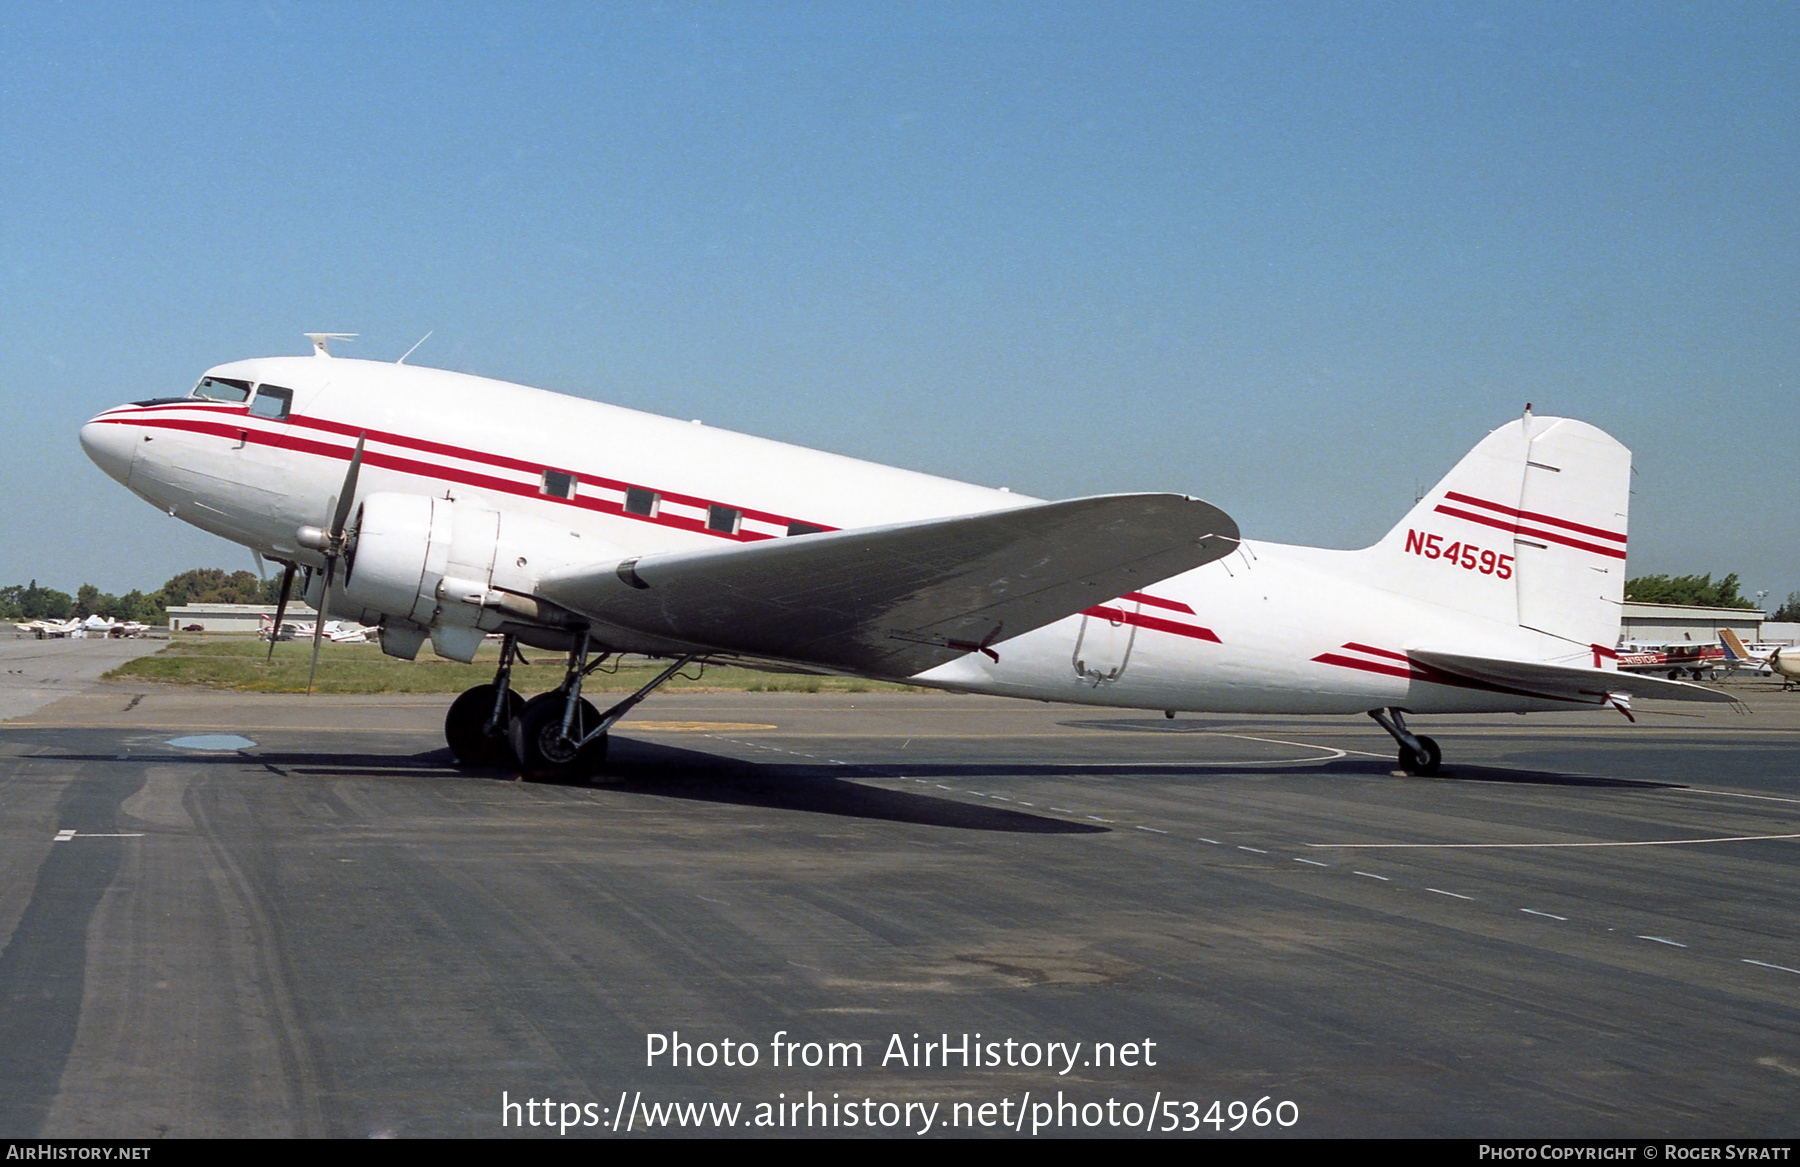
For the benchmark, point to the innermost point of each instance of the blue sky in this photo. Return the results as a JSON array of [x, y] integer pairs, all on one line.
[[1295, 259]]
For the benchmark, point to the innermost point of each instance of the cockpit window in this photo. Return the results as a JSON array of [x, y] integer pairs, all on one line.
[[273, 402], [222, 389]]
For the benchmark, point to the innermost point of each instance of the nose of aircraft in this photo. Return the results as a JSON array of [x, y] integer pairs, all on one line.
[[110, 445]]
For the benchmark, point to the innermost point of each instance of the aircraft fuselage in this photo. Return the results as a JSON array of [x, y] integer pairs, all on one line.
[[1269, 628]]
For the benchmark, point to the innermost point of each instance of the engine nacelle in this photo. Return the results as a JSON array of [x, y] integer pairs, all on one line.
[[444, 566]]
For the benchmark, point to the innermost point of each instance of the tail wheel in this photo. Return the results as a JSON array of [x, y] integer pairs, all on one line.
[[1425, 761], [465, 727], [537, 739]]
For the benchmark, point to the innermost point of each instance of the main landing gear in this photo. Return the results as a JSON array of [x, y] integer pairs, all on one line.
[[1419, 755], [557, 736]]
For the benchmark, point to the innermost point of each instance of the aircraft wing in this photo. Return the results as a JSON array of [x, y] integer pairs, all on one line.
[[897, 600], [1567, 681]]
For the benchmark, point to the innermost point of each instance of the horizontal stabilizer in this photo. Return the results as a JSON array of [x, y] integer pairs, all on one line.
[[897, 600], [1566, 682]]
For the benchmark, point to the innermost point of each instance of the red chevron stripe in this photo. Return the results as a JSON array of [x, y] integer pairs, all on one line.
[[1158, 602], [1534, 516], [1415, 671], [1517, 528], [1154, 623]]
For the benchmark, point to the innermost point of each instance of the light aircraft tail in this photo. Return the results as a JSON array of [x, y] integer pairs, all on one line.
[[1735, 651], [1528, 529]]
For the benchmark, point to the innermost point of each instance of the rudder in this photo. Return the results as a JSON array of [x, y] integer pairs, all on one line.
[[1535, 517]]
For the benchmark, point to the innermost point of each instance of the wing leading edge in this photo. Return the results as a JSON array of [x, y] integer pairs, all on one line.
[[897, 600]]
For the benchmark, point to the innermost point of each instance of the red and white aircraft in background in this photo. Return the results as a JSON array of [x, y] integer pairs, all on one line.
[[446, 506]]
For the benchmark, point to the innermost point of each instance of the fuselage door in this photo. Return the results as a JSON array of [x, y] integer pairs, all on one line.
[[1103, 643]]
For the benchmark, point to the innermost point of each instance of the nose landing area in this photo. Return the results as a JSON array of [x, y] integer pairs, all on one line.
[[111, 444]]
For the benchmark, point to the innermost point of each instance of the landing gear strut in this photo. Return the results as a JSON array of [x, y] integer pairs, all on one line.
[[477, 722], [1419, 755], [559, 735]]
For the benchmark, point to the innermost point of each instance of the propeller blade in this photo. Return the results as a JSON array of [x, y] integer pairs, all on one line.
[[319, 620], [287, 583], [347, 498]]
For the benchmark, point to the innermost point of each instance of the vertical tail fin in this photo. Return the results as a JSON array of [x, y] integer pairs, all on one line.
[[1528, 529], [1735, 652]]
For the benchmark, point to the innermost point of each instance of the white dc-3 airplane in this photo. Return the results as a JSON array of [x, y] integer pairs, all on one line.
[[446, 506]]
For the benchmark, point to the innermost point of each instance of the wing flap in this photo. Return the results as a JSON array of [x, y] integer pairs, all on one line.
[[897, 600], [1565, 681]]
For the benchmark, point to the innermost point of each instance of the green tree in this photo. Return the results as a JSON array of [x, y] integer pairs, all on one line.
[[135, 605], [212, 585], [34, 603], [1698, 590], [91, 601], [1789, 610]]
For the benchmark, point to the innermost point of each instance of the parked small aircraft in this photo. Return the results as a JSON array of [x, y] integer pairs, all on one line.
[[445, 506], [49, 629], [1698, 661], [101, 627], [1775, 658], [304, 630]]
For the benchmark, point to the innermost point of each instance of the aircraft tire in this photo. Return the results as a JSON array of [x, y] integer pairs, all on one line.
[[536, 737], [1422, 765], [464, 723]]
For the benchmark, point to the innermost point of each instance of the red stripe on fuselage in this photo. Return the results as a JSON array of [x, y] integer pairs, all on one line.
[[1355, 647], [444, 449], [1158, 602], [1416, 671], [387, 461], [1154, 623]]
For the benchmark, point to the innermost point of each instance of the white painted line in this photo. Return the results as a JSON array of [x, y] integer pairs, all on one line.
[[63, 836], [1098, 819], [1022, 802], [976, 793], [1371, 875], [1778, 967], [1442, 892], [1062, 810], [1204, 839], [1540, 846], [940, 786], [112, 835], [1546, 915], [1660, 940], [1153, 830], [1332, 753], [1001, 798], [1258, 850], [1312, 862], [1735, 794]]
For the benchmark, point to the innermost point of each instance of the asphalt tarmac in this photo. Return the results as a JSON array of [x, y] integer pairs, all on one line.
[[1585, 927]]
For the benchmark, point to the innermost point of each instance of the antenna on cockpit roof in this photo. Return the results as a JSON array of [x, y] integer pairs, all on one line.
[[409, 352], [321, 341]]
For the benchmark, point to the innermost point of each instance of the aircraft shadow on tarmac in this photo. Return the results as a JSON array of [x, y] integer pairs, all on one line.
[[644, 768], [1460, 772]]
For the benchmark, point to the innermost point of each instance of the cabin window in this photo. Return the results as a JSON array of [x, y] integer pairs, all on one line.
[[272, 402], [222, 389], [724, 520], [639, 501], [804, 529], [559, 484]]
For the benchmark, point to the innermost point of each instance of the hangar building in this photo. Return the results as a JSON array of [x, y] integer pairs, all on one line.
[[1685, 623]]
